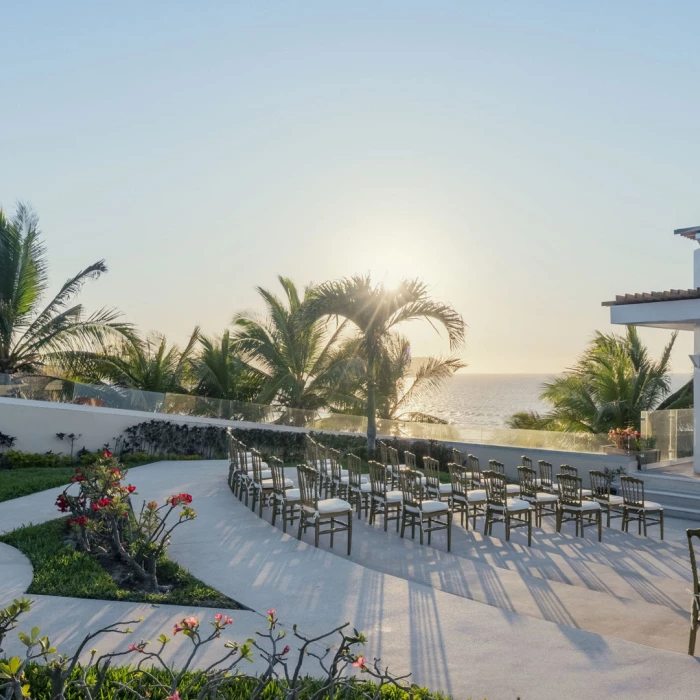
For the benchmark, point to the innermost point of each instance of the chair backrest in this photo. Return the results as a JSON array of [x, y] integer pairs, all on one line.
[[411, 486], [383, 453], [527, 462], [632, 491], [457, 457], [308, 486], [460, 478], [495, 484], [393, 455], [528, 481], [277, 469], [600, 485], [334, 459], [310, 450], [545, 474], [567, 470], [432, 473], [474, 466], [409, 459], [355, 470], [570, 490], [256, 459], [378, 477], [496, 466], [692, 534]]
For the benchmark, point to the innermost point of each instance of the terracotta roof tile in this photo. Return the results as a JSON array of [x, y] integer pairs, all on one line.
[[648, 297]]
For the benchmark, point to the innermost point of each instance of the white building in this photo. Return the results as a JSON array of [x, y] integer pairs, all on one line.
[[677, 309]]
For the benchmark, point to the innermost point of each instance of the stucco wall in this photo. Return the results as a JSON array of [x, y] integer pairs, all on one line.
[[35, 424]]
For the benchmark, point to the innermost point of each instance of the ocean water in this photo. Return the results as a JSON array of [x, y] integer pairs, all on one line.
[[488, 400]]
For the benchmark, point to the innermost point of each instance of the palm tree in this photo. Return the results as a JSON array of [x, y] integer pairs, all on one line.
[[531, 420], [375, 310], [612, 382], [298, 358], [401, 381], [220, 373], [31, 336], [148, 365]]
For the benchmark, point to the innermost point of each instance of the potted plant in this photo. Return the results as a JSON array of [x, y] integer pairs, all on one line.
[[629, 441], [611, 477]]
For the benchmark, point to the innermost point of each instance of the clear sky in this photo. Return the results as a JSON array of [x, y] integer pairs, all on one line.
[[528, 160]]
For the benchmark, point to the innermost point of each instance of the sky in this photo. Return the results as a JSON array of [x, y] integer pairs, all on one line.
[[527, 160]]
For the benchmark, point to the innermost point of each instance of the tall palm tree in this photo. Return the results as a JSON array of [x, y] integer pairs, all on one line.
[[148, 365], [297, 357], [375, 310], [401, 381], [220, 373], [613, 381], [31, 336]]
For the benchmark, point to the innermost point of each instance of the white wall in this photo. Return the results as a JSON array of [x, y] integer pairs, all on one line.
[[35, 424]]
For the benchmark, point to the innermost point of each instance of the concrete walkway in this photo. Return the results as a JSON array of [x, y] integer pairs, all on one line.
[[420, 607]]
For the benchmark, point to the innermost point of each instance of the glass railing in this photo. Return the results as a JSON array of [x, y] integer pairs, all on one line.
[[670, 432], [59, 390]]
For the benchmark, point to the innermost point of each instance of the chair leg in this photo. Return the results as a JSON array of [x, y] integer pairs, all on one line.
[[284, 517], [332, 528], [301, 521], [486, 521], [529, 528], [693, 628], [349, 532], [600, 526], [403, 523], [644, 522], [421, 528], [507, 522], [317, 530], [608, 510], [661, 523], [449, 532], [274, 510], [430, 529]]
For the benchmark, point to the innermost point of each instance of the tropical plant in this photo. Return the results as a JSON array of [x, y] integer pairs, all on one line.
[[531, 420], [220, 373], [401, 381], [31, 336], [683, 398], [296, 357], [613, 381], [146, 365], [375, 311]]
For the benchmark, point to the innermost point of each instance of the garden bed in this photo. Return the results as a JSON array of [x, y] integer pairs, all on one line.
[[61, 570]]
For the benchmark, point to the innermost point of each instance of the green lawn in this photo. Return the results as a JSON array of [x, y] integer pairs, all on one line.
[[59, 569], [21, 482]]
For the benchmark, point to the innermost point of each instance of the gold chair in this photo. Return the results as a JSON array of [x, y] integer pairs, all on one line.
[[433, 486], [456, 457], [466, 501], [474, 469], [340, 479], [417, 510], [513, 490], [635, 507], [359, 490], [319, 512], [572, 504], [600, 492], [384, 499], [695, 606], [286, 500], [547, 483], [543, 502], [501, 508]]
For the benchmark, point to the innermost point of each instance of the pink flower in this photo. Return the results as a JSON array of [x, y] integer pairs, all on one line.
[[190, 622], [285, 650], [174, 696], [222, 619], [271, 612], [359, 662], [107, 454]]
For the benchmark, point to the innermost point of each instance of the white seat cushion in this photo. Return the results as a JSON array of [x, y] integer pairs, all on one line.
[[585, 505], [333, 505], [266, 474], [586, 493], [394, 496], [513, 505], [292, 495], [648, 505], [445, 488], [612, 500], [476, 496], [269, 484], [512, 488], [346, 479], [543, 497], [431, 507], [364, 487]]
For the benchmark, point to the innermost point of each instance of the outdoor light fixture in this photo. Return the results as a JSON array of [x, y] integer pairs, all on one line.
[[695, 359]]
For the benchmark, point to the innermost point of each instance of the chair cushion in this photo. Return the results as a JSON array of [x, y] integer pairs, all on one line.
[[333, 505], [364, 487], [515, 504], [445, 488], [266, 474], [543, 497], [585, 505], [648, 505], [292, 495], [586, 493], [476, 496], [612, 500], [430, 507], [512, 488], [269, 484], [394, 496]]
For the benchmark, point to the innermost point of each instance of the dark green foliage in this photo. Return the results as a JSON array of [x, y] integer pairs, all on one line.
[[29, 460], [683, 398], [60, 569], [22, 482], [169, 437]]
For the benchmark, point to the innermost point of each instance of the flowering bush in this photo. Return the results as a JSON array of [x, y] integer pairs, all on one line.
[[285, 674], [104, 521], [625, 439]]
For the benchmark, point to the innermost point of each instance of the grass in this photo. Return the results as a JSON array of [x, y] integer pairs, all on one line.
[[21, 482], [61, 570]]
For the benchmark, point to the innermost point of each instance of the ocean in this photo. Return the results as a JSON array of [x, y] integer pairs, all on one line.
[[488, 400]]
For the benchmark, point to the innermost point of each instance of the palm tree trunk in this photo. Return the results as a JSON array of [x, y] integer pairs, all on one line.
[[371, 408]]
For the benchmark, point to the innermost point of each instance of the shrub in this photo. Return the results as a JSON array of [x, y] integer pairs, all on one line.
[[30, 460], [66, 677]]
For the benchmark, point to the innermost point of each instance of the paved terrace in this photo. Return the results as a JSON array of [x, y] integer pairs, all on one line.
[[565, 618]]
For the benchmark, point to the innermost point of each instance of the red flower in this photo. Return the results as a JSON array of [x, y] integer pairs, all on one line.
[[62, 503], [80, 522], [107, 454], [131, 488], [360, 662], [285, 650], [77, 477], [222, 619], [176, 500]]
